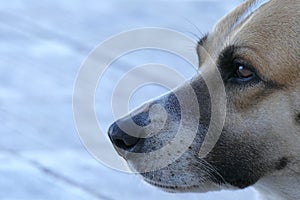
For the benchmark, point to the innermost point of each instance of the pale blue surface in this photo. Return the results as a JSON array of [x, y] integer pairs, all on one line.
[[42, 46]]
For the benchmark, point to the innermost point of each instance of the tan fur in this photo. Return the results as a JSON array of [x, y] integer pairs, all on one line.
[[261, 135], [270, 38]]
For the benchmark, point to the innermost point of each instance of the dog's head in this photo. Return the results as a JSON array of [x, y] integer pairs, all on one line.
[[258, 59]]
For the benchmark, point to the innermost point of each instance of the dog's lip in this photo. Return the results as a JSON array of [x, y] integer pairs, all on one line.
[[185, 188], [170, 188]]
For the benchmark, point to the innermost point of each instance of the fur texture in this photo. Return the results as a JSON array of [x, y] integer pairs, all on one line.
[[260, 142]]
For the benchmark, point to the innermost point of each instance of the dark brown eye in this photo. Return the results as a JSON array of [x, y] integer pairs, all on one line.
[[244, 72]]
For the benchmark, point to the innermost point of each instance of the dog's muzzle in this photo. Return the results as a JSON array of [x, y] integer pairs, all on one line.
[[146, 129]]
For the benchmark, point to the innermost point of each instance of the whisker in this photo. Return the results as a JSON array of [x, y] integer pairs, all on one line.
[[212, 168], [201, 34]]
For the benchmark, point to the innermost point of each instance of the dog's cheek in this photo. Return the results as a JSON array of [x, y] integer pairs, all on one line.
[[240, 161]]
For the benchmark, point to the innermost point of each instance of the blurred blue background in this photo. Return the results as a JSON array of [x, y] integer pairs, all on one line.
[[43, 44]]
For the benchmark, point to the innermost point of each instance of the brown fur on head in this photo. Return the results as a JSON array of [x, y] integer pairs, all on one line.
[[258, 56]]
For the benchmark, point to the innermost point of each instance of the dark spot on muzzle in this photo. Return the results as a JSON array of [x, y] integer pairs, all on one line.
[[298, 118], [282, 163]]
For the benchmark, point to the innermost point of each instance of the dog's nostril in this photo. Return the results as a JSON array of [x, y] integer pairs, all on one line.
[[121, 144]]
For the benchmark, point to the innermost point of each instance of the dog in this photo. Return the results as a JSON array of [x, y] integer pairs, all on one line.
[[257, 56]]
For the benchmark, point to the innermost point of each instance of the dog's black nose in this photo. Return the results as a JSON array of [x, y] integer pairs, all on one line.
[[120, 138], [128, 131]]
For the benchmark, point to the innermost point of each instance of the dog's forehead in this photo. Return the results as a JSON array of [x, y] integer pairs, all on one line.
[[275, 24]]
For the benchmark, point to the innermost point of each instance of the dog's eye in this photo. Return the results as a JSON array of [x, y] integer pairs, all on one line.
[[234, 69], [243, 72]]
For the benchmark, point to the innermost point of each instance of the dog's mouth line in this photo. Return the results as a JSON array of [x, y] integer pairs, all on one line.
[[169, 187]]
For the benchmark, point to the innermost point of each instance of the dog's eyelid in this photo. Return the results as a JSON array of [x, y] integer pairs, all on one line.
[[240, 61], [231, 55]]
